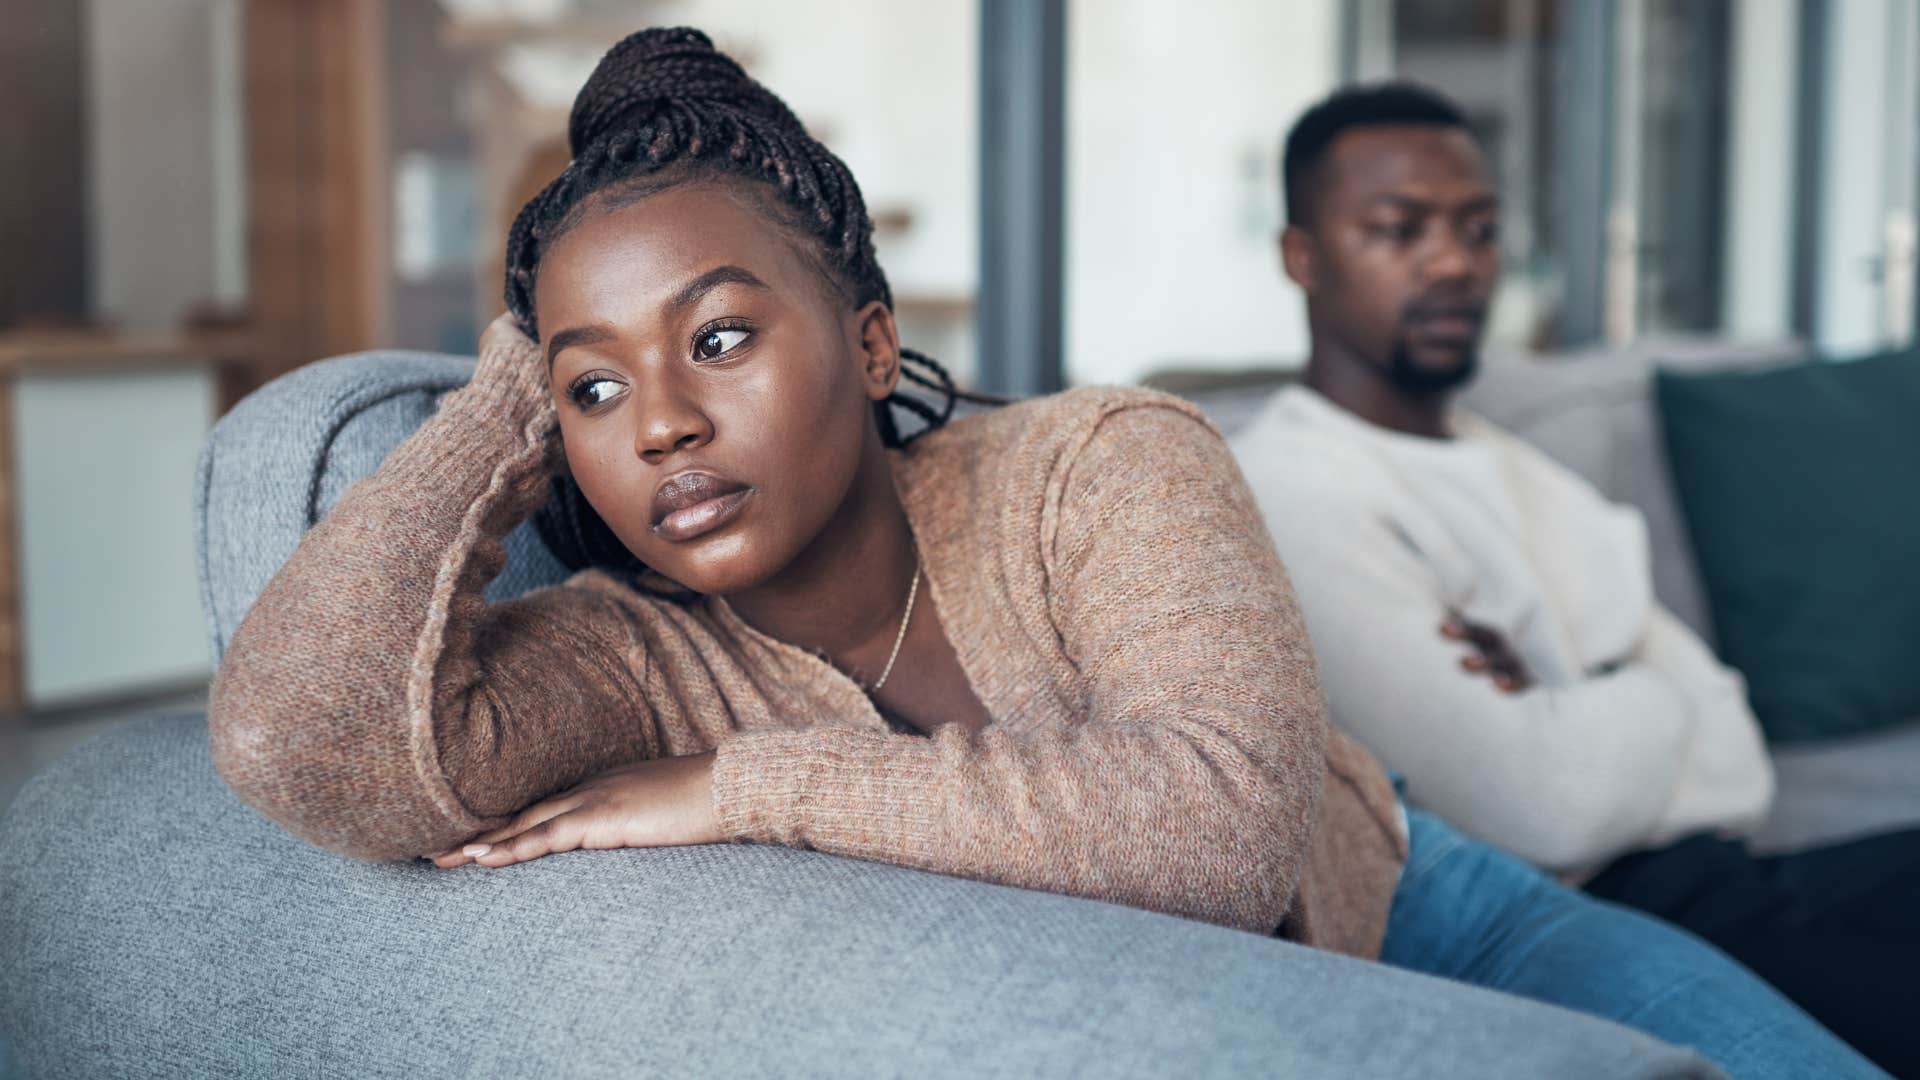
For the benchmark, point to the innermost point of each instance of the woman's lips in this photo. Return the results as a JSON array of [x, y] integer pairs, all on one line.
[[694, 504]]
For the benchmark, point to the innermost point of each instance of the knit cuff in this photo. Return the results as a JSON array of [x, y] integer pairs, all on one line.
[[869, 795], [510, 380]]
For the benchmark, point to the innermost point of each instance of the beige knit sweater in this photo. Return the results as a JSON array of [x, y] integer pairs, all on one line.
[[1158, 737]]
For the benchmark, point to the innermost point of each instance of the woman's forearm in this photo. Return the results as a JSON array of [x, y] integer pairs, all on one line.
[[331, 707], [1165, 815]]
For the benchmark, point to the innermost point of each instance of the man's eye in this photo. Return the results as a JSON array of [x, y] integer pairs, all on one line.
[[1483, 233], [590, 392], [1399, 232], [717, 343]]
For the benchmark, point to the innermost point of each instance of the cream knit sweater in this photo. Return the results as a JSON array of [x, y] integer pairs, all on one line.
[[1633, 736], [1158, 736]]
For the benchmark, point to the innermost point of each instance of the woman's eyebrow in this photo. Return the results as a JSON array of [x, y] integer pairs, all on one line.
[[580, 335], [692, 291]]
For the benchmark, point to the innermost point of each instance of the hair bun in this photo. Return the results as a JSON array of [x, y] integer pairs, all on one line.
[[650, 69]]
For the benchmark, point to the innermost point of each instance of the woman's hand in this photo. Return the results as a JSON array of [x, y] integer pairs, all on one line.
[[656, 803]]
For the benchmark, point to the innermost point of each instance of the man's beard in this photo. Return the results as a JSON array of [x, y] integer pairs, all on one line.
[[1409, 375], [1422, 381]]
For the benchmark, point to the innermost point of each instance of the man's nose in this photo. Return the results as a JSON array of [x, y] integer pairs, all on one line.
[[1451, 257]]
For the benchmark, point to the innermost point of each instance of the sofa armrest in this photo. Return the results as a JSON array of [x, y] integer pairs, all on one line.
[[150, 925]]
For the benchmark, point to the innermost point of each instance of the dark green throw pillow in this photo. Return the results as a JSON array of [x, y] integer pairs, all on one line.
[[1801, 487]]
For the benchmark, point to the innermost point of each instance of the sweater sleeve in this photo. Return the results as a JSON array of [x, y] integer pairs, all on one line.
[[1564, 776], [372, 701], [1192, 784], [1727, 779]]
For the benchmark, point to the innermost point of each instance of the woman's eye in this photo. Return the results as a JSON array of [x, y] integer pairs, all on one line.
[[593, 392], [714, 344]]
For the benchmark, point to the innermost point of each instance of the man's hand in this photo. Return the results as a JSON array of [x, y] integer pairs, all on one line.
[[657, 803], [1492, 655]]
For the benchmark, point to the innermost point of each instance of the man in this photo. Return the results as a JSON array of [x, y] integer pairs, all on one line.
[[1485, 621]]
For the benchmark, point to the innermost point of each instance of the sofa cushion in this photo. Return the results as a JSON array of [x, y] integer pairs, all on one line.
[[1833, 790], [1798, 489]]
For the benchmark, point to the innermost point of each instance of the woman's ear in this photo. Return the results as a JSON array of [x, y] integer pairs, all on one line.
[[878, 349]]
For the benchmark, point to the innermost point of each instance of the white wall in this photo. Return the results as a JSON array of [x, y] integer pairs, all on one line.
[[165, 168], [1175, 113], [1763, 100], [1854, 196], [110, 594], [105, 463], [893, 89]]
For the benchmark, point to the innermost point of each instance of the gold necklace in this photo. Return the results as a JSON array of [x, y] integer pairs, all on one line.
[[899, 638]]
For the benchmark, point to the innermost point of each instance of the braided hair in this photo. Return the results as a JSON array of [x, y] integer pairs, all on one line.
[[664, 107]]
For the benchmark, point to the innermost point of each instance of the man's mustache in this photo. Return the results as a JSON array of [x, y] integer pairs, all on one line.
[[1424, 308]]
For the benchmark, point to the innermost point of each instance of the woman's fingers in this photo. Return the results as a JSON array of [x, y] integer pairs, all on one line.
[[564, 832], [524, 820], [527, 819]]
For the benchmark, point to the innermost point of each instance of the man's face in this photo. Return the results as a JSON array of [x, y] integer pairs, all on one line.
[[1402, 251]]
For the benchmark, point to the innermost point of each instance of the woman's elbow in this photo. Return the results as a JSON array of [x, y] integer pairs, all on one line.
[[1251, 860], [276, 762]]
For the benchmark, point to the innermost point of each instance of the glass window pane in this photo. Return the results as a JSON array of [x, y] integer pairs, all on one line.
[[1175, 114]]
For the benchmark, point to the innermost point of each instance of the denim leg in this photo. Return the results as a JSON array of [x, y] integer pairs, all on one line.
[[1467, 911]]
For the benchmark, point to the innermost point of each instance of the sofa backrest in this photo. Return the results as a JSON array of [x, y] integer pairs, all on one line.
[[1593, 411]]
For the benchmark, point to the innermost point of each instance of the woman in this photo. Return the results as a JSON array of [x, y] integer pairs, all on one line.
[[1049, 645]]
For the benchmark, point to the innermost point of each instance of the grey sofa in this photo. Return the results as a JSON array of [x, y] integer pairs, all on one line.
[[151, 925]]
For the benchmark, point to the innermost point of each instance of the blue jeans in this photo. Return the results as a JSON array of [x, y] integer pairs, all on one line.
[[1468, 911]]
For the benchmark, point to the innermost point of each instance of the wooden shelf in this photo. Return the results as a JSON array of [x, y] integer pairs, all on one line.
[[33, 351], [933, 305], [500, 33]]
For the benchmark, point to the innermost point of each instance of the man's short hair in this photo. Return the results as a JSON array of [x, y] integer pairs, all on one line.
[[1365, 105]]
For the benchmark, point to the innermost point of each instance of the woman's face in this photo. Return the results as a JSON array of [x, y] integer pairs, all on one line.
[[714, 389]]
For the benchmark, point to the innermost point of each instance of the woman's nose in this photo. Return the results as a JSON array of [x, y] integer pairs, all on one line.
[[670, 424]]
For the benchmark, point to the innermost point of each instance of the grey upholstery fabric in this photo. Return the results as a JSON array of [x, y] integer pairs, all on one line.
[[1844, 788], [153, 926]]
